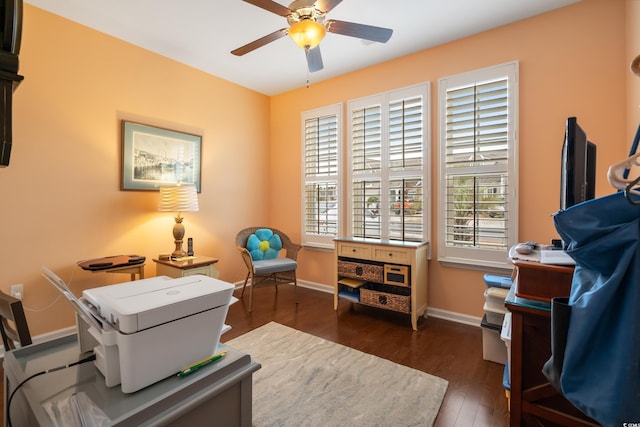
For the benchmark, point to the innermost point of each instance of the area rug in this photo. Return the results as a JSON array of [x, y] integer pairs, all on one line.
[[308, 381]]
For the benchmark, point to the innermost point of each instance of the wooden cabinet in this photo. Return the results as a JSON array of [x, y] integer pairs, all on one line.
[[188, 267], [534, 402], [384, 274]]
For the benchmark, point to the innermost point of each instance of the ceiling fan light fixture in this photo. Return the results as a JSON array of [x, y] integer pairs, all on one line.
[[307, 33]]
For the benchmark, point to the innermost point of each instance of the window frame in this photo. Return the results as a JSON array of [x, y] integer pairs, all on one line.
[[323, 241], [385, 176], [478, 256]]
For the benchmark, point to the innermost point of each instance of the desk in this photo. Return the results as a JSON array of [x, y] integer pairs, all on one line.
[[218, 394], [130, 269], [534, 401], [127, 264]]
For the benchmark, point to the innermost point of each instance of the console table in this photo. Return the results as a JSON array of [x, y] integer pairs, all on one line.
[[385, 274], [220, 392], [534, 401]]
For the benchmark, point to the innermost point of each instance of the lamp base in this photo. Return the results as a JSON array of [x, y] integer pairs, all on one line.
[[178, 253], [178, 235]]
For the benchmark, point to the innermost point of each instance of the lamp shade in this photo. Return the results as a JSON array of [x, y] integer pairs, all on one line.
[[307, 33], [178, 198]]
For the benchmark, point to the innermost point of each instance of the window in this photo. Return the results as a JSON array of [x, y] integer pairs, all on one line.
[[478, 208], [321, 136], [389, 165]]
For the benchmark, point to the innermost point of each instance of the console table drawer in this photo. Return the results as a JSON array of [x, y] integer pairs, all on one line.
[[397, 256], [354, 251]]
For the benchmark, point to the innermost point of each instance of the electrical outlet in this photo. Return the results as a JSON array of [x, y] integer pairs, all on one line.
[[17, 291]]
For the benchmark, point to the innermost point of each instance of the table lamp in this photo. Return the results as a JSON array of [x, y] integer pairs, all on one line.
[[178, 198]]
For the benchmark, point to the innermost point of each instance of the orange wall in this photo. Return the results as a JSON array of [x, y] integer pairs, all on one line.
[[572, 63], [61, 201]]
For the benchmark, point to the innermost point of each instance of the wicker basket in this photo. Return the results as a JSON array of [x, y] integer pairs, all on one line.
[[359, 270], [380, 296]]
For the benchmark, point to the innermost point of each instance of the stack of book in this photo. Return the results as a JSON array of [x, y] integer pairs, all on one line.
[[350, 288]]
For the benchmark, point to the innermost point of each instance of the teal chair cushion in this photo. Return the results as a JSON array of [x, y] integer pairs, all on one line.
[[264, 244]]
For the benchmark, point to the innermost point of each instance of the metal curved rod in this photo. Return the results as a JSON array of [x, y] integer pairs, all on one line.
[[629, 190]]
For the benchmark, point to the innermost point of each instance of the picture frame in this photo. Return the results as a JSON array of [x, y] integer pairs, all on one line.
[[153, 157]]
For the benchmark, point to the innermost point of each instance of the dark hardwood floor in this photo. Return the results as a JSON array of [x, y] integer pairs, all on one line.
[[449, 350], [475, 396]]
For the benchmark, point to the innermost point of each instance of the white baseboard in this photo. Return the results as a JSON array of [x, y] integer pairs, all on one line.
[[302, 283], [316, 286], [454, 317], [434, 312], [72, 329]]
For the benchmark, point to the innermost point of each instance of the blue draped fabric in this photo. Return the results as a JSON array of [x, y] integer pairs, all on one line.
[[601, 369]]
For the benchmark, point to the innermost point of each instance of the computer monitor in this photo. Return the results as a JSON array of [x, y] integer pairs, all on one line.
[[578, 168]]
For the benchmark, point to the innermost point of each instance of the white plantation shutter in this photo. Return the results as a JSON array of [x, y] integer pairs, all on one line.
[[477, 124], [321, 136], [321, 149], [406, 134], [366, 220], [388, 140], [366, 142], [478, 158]]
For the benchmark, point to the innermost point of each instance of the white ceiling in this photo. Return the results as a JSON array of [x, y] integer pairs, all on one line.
[[201, 33]]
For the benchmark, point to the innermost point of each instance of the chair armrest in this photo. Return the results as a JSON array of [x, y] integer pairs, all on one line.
[[246, 257], [292, 250]]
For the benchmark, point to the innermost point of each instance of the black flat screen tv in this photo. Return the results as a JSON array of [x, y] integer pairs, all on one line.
[[578, 168], [10, 37]]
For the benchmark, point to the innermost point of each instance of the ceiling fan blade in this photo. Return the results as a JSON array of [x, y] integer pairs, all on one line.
[[326, 5], [260, 42], [271, 6], [361, 31], [314, 59]]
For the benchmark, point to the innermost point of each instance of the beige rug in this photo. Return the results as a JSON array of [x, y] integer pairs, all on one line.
[[308, 381]]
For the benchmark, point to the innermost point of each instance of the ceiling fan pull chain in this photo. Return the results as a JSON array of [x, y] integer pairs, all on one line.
[[306, 52]]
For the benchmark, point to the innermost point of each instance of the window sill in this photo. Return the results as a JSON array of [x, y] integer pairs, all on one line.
[[481, 265], [319, 247]]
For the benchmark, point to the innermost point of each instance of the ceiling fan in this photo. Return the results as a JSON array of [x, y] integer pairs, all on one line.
[[307, 27]]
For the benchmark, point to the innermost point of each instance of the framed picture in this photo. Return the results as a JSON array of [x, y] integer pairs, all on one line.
[[153, 157]]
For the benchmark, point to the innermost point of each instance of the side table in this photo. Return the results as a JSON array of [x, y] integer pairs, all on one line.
[[125, 264], [187, 266], [130, 269]]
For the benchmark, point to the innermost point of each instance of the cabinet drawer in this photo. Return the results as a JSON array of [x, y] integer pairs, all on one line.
[[357, 270], [206, 271], [388, 254], [175, 272], [396, 275], [387, 297], [354, 251]]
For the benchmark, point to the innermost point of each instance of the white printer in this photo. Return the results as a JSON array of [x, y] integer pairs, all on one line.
[[149, 329]]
